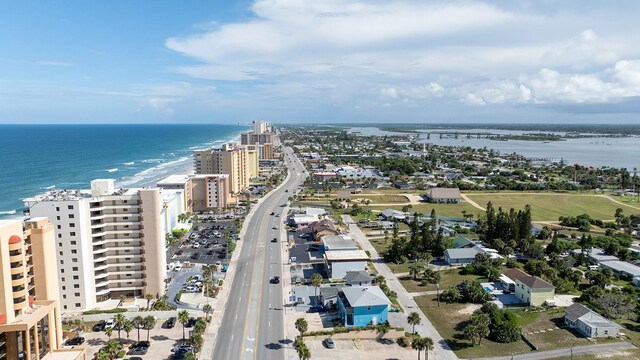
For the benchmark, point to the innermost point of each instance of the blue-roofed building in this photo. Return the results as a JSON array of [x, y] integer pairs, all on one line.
[[363, 305]]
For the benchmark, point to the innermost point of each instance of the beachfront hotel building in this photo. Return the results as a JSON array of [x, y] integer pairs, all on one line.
[[30, 325], [205, 191], [230, 160], [109, 242]]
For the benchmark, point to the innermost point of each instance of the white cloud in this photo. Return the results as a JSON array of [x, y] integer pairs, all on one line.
[[341, 52]]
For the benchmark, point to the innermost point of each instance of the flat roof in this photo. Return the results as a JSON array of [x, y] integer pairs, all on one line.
[[622, 266], [174, 180], [335, 242], [345, 255]]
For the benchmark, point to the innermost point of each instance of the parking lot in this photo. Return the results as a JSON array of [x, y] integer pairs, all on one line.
[[162, 340], [208, 244], [305, 251]]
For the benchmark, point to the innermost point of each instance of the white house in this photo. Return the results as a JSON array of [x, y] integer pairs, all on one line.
[[589, 323], [339, 262]]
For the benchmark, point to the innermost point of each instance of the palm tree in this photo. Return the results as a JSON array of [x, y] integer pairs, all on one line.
[[196, 340], [303, 351], [127, 327], [428, 346], [415, 270], [414, 319], [122, 300], [109, 332], [316, 281], [138, 322], [382, 329], [149, 323], [190, 356], [199, 327], [419, 345], [103, 355], [207, 309], [302, 326], [149, 297], [183, 318], [112, 348], [119, 321]]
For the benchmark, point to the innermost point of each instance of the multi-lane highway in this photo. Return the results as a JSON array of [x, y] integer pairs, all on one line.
[[253, 322]]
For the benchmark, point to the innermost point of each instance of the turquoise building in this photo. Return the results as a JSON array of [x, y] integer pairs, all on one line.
[[363, 305]]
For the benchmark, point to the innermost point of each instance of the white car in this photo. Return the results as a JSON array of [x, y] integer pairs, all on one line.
[[111, 323], [178, 267], [196, 246]]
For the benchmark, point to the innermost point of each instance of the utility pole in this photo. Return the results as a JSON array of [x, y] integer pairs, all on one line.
[[438, 293]]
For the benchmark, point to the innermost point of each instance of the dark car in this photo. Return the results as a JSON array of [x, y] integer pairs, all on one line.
[[99, 327], [191, 322], [75, 341], [179, 252], [328, 342], [210, 252], [274, 240], [317, 308], [180, 354], [275, 280], [273, 213], [135, 358], [170, 323], [208, 246], [141, 344], [195, 256]]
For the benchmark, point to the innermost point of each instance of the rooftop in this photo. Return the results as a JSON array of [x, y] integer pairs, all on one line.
[[444, 193], [174, 180], [358, 276], [338, 242], [622, 266], [359, 296], [346, 255], [463, 253]]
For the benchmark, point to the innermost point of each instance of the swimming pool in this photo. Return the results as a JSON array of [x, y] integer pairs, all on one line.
[[488, 289]]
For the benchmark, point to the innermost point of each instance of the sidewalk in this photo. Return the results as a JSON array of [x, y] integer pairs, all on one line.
[[607, 350], [441, 350]]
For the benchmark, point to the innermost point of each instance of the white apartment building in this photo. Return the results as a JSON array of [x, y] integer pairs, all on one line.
[[108, 242]]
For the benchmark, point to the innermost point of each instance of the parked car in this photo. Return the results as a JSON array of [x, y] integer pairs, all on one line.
[[110, 324], [74, 341], [138, 351], [99, 326], [179, 252], [210, 252], [170, 323], [139, 344], [195, 256], [191, 323], [328, 343]]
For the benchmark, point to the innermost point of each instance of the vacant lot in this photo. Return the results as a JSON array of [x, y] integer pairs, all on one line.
[[550, 206], [448, 210], [381, 199], [447, 318]]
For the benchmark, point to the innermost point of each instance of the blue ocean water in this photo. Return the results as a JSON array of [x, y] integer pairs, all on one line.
[[35, 158]]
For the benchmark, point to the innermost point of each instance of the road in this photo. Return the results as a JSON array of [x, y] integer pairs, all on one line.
[[607, 350], [253, 322]]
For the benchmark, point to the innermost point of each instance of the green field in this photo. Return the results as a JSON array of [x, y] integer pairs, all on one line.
[[549, 206], [381, 199]]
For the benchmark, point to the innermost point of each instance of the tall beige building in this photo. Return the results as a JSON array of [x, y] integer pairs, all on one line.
[[109, 242], [228, 160], [205, 191], [30, 325]]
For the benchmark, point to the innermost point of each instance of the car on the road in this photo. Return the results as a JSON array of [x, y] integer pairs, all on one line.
[[135, 358], [99, 326], [170, 323], [275, 228], [275, 280], [328, 343], [74, 341], [286, 190], [274, 240], [273, 213]]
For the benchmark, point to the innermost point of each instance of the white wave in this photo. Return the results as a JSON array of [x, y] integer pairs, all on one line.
[[159, 171], [112, 170], [147, 161], [10, 212], [49, 187], [129, 163]]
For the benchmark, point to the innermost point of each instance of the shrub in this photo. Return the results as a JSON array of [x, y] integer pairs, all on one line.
[[108, 311], [121, 354], [403, 341]]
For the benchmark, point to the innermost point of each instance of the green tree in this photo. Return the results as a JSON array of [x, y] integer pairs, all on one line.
[[112, 348], [199, 327], [428, 346], [303, 351], [122, 300], [108, 332], [149, 323], [302, 326], [196, 340], [413, 319], [418, 345], [481, 322], [207, 309], [127, 327], [148, 297], [183, 318], [138, 322], [119, 321], [382, 329], [316, 281]]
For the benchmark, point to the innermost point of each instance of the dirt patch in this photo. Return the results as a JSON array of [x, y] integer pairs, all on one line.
[[469, 309]]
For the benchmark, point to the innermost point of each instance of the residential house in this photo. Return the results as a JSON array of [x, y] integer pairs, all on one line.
[[359, 278], [531, 290], [403, 185], [322, 228], [461, 256], [589, 323], [360, 306], [621, 268], [443, 195], [329, 295], [595, 255], [391, 215], [343, 195]]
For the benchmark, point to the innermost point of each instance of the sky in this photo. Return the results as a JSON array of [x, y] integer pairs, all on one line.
[[329, 61]]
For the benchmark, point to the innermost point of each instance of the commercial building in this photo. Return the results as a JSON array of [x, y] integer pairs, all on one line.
[[339, 262], [232, 161], [260, 126], [263, 151], [108, 242], [30, 325], [443, 195], [257, 138], [362, 305]]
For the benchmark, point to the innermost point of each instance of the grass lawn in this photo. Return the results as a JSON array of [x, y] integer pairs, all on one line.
[[446, 318], [534, 322], [381, 199], [449, 210], [550, 206], [631, 354]]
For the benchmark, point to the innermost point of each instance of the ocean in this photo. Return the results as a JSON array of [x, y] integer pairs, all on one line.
[[35, 158]]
